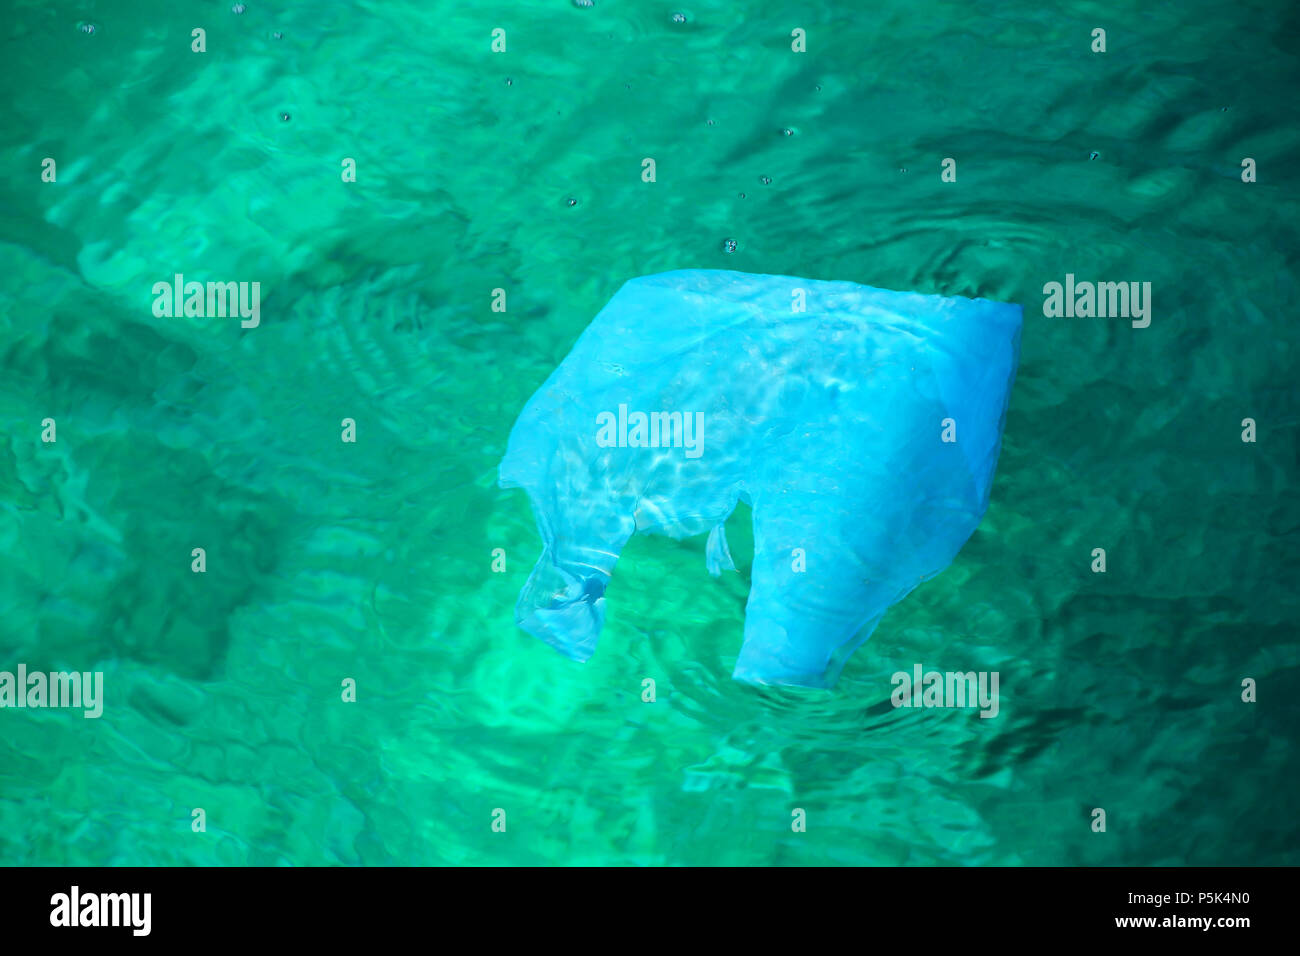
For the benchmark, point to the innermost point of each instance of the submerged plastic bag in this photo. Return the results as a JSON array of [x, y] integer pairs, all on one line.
[[862, 426]]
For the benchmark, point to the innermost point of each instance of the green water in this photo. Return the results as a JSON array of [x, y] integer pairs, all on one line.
[[372, 560]]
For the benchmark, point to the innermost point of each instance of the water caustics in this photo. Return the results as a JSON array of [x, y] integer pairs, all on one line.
[[861, 426]]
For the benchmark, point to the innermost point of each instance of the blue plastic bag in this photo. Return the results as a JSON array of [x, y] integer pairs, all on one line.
[[862, 426]]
